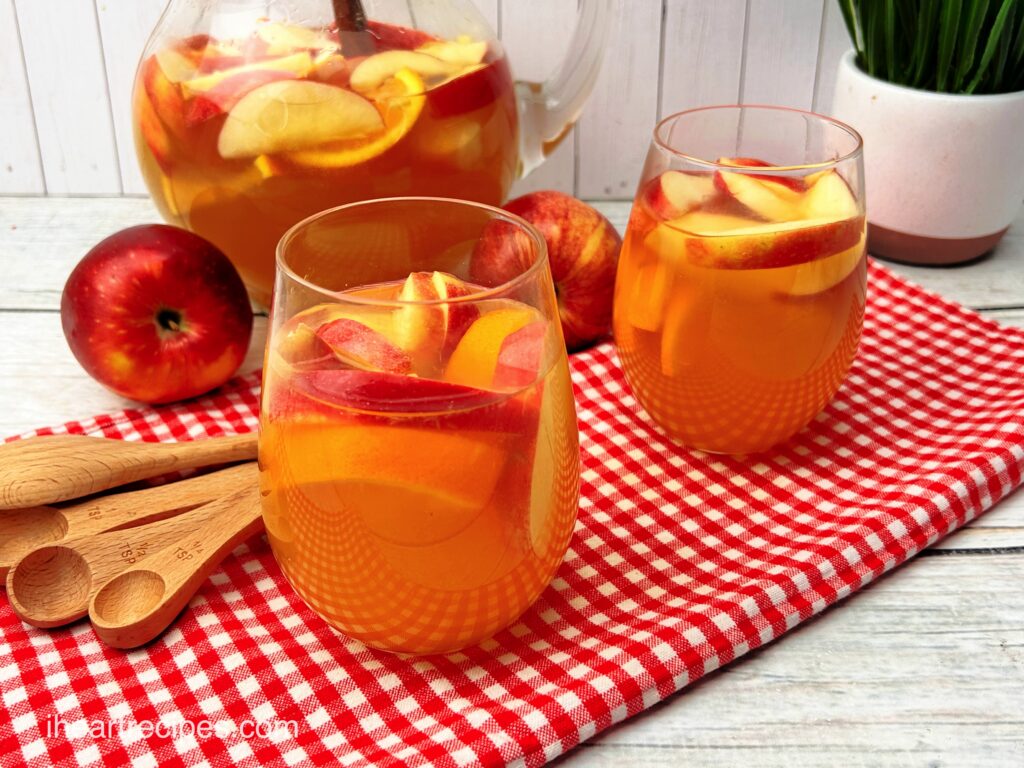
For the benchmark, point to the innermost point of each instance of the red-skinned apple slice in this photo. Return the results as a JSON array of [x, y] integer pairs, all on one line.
[[475, 359], [362, 347], [419, 325], [464, 51], [767, 199], [475, 88], [381, 392], [793, 182], [674, 193], [228, 92], [165, 98], [457, 316], [430, 332], [294, 115], [822, 274], [297, 64], [521, 357], [731, 242], [154, 134]]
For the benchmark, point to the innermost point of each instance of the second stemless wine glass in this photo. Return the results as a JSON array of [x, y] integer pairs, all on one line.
[[418, 449], [740, 292]]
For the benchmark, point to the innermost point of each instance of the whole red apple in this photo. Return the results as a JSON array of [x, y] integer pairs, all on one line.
[[157, 314], [583, 248]]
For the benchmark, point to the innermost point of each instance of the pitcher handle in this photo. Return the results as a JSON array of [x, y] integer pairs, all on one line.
[[548, 110]]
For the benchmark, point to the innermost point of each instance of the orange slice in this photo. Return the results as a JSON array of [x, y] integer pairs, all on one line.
[[400, 101]]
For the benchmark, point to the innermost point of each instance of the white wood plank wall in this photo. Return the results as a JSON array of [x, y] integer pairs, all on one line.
[[66, 70]]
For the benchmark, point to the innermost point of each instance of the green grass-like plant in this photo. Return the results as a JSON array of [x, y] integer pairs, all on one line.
[[953, 46]]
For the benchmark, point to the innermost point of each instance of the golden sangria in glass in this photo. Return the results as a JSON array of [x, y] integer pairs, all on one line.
[[419, 458], [251, 116], [740, 290]]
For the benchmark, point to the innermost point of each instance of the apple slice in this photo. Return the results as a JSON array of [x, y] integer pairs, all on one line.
[[715, 240], [822, 274], [400, 100], [382, 392], [475, 359], [153, 133], [674, 193], [650, 290], [766, 198], [299, 348], [293, 115], [175, 65], [463, 51], [457, 316], [830, 196], [359, 346], [794, 183], [298, 64], [520, 357], [375, 70], [419, 324], [228, 92], [284, 38], [670, 240], [165, 98], [429, 332]]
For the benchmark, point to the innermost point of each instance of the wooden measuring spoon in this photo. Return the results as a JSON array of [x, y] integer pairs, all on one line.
[[51, 586], [25, 529], [45, 470], [139, 603]]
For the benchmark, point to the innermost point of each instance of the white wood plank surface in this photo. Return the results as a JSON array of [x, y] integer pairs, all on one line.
[[615, 130], [535, 34], [489, 9], [924, 668], [835, 41], [781, 52], [702, 53], [125, 26], [20, 169], [69, 95]]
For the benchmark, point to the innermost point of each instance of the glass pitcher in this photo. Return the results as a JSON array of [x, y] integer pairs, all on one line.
[[251, 115]]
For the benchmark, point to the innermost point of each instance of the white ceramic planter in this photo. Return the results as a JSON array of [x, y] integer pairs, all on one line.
[[944, 172]]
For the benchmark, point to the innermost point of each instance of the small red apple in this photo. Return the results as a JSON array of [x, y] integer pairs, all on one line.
[[583, 248], [157, 314]]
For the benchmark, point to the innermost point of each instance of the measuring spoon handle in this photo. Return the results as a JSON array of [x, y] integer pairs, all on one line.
[[45, 470], [122, 510], [139, 603]]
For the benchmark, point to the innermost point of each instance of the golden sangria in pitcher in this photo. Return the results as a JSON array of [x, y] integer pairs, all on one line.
[[250, 116]]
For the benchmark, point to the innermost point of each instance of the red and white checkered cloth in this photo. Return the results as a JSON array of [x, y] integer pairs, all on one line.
[[680, 563]]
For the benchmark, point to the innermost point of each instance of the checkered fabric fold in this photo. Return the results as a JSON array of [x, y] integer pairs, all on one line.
[[680, 563]]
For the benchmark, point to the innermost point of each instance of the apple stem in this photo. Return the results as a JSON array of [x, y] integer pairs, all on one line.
[[353, 35], [169, 320]]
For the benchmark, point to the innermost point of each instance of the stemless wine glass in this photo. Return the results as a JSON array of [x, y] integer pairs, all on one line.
[[419, 455], [740, 291]]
